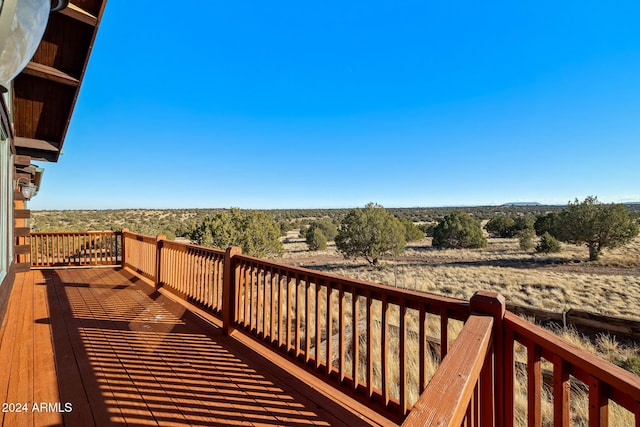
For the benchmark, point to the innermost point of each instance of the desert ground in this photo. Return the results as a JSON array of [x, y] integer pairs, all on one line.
[[554, 282]]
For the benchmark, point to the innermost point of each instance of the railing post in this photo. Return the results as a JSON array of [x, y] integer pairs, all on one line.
[[229, 289], [493, 304], [159, 244], [123, 247]]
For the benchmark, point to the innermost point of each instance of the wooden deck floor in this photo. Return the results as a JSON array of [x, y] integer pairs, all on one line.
[[83, 347]]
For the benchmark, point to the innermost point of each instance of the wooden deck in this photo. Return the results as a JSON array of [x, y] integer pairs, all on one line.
[[82, 347]]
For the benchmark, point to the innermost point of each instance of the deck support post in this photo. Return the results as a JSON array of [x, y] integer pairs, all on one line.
[[492, 409], [229, 289]]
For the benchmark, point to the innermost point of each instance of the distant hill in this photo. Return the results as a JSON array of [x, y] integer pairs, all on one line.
[[522, 204]]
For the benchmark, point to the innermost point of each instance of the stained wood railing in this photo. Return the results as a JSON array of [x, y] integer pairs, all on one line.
[[458, 382], [374, 341], [603, 381], [75, 249], [194, 272], [361, 335], [141, 253]]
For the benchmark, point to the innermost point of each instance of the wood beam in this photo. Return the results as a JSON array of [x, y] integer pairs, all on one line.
[[49, 73], [35, 144], [21, 231], [22, 249], [20, 161], [37, 149], [77, 13], [22, 213]]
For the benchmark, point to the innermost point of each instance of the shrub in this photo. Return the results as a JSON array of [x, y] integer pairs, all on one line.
[[411, 231], [549, 223], [285, 226], [508, 226], [316, 240], [370, 233], [501, 226], [597, 225], [525, 238], [427, 229], [327, 226], [548, 244], [458, 230], [256, 232]]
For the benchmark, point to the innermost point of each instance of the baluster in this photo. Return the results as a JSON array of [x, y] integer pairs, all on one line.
[[444, 333], [369, 344], [318, 321], [385, 350], [355, 336], [341, 331], [534, 385], [402, 350], [297, 296], [329, 328], [598, 403], [561, 392], [422, 349]]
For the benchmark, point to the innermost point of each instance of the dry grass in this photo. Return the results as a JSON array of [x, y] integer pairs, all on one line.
[[559, 282]]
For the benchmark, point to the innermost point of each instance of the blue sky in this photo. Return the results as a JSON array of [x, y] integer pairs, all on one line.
[[336, 104]]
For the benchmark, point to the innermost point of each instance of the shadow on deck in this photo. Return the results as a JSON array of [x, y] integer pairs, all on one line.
[[85, 347]]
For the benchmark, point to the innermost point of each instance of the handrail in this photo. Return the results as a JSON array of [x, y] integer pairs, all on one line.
[[84, 248], [604, 380], [457, 385]]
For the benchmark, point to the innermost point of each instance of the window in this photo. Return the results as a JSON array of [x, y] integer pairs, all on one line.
[[6, 205]]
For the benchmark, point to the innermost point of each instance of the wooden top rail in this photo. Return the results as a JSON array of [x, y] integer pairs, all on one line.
[[456, 309], [624, 386], [139, 237], [453, 384], [172, 244], [74, 233]]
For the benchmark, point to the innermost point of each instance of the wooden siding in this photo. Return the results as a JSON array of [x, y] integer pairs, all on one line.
[[120, 352]]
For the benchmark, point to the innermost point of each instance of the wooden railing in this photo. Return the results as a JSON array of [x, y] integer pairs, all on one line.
[[376, 342], [141, 253], [470, 378], [573, 369], [194, 272], [75, 249], [457, 381], [361, 335]]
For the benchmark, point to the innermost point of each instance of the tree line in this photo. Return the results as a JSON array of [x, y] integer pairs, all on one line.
[[370, 232]]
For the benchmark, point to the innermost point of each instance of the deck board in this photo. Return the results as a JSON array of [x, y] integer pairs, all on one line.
[[122, 353]]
